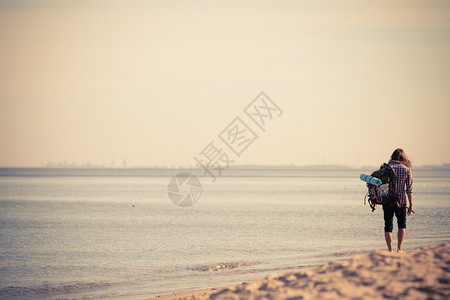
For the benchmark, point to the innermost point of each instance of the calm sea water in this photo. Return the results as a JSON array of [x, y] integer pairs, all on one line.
[[115, 233]]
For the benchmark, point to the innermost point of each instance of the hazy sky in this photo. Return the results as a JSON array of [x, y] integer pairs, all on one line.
[[155, 81]]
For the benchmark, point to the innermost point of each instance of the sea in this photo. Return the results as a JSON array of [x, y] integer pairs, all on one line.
[[115, 234]]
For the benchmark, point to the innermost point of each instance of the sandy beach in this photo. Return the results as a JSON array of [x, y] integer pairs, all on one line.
[[421, 274]]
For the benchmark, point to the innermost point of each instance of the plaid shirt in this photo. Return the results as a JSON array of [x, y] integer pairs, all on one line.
[[404, 178]]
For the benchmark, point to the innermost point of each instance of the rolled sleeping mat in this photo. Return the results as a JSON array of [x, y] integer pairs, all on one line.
[[384, 189], [370, 179]]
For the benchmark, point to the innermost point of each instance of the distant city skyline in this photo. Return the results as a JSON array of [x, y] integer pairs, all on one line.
[[89, 164], [155, 82]]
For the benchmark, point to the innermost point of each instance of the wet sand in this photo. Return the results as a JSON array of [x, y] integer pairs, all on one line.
[[421, 274]]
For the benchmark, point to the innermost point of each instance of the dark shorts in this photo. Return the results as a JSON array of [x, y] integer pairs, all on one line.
[[389, 211]]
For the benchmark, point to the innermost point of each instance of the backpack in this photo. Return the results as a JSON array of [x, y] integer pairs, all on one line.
[[376, 194]]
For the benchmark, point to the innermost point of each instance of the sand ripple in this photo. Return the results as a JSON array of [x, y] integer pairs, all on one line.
[[421, 274]]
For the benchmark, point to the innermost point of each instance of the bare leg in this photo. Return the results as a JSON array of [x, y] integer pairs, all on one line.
[[388, 237], [401, 236]]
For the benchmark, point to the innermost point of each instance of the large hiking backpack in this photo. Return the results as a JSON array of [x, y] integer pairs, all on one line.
[[386, 193]]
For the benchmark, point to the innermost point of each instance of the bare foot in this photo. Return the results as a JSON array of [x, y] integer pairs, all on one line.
[[400, 251]]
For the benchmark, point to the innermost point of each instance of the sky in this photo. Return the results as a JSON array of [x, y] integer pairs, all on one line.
[[155, 82]]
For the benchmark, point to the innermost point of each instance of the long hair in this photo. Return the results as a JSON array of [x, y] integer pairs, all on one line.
[[400, 155]]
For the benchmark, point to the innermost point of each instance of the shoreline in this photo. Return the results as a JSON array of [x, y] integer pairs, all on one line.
[[420, 274]]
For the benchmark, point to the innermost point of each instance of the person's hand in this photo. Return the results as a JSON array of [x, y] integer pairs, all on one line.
[[410, 211]]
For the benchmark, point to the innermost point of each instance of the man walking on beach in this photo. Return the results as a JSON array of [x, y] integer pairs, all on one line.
[[402, 167]]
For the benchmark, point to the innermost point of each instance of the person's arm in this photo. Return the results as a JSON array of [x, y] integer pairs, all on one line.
[[409, 191], [410, 199]]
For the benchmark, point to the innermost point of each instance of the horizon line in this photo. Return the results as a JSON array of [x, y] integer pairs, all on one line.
[[239, 166]]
